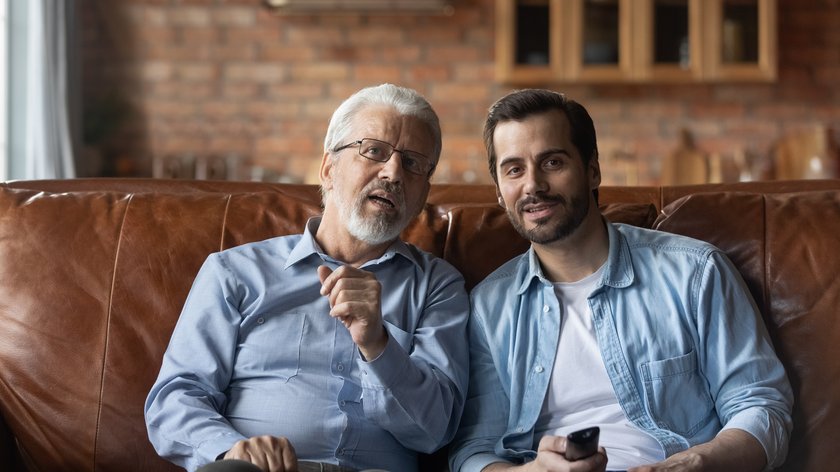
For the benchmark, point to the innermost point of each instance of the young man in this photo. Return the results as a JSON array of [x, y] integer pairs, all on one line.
[[650, 336], [343, 345]]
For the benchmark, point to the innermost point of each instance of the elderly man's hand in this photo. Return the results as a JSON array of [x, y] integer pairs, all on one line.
[[355, 297], [269, 453]]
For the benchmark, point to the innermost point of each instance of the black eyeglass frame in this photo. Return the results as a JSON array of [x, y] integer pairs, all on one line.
[[404, 154]]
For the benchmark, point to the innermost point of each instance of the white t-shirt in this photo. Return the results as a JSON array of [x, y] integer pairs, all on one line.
[[580, 393]]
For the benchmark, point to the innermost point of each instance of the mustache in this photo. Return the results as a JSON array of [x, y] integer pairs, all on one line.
[[395, 189], [533, 200]]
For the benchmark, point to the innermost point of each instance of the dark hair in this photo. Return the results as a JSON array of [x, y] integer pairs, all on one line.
[[520, 104]]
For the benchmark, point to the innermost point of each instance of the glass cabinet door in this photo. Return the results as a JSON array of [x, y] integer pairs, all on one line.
[[600, 47], [668, 39], [532, 25], [742, 42], [528, 40]]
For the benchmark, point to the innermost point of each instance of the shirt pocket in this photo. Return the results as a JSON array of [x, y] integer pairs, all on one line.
[[677, 395], [270, 344]]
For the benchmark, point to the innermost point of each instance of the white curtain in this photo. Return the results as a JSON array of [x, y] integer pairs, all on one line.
[[49, 147]]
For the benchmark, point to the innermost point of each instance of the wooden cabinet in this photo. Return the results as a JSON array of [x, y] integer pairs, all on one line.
[[540, 41]]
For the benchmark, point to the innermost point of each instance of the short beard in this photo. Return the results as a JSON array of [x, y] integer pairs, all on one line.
[[381, 227], [543, 233]]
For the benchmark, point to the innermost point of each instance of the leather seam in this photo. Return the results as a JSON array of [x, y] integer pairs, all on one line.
[[108, 330], [224, 222]]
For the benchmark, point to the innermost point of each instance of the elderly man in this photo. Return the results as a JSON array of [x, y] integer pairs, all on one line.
[[341, 346]]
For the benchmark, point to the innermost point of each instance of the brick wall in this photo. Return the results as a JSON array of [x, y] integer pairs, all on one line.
[[228, 77]]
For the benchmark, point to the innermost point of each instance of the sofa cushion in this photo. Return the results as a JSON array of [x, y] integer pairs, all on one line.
[[91, 285], [787, 241]]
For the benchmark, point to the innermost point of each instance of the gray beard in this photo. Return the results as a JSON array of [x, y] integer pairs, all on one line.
[[379, 228], [376, 230]]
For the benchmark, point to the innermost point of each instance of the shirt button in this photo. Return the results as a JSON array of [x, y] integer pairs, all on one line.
[[520, 429], [545, 308], [340, 367], [341, 452], [538, 369], [342, 403], [260, 320]]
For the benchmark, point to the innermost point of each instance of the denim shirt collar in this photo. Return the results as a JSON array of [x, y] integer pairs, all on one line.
[[618, 274], [308, 246]]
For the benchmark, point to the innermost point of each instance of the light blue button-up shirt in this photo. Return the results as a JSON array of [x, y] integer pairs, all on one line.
[[255, 352], [682, 340]]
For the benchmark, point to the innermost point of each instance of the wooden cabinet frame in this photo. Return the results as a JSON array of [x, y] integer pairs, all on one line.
[[636, 38]]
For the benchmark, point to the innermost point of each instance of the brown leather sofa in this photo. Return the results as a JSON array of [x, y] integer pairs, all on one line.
[[93, 274]]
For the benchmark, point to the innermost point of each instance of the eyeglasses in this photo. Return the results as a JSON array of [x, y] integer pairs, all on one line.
[[380, 151]]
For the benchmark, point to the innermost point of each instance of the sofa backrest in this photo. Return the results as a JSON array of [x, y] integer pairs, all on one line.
[[93, 274], [787, 247]]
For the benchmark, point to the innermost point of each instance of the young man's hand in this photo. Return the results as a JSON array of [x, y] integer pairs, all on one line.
[[550, 458]]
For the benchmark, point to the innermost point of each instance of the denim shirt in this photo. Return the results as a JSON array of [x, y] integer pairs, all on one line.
[[683, 344], [255, 352]]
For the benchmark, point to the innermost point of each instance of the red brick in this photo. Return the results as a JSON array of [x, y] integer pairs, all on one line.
[[296, 91], [326, 71], [450, 54], [474, 72], [238, 16], [242, 91], [460, 92], [273, 110], [424, 73], [718, 111], [196, 72], [377, 35], [373, 73], [316, 35], [282, 53], [193, 35], [241, 36], [254, 72], [403, 54], [188, 16]]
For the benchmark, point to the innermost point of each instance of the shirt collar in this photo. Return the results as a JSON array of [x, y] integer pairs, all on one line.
[[533, 271], [618, 272], [308, 247]]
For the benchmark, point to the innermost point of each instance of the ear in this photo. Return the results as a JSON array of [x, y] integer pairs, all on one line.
[[325, 173], [500, 199], [594, 172]]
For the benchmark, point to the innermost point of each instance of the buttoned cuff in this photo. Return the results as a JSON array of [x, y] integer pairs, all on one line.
[[385, 369], [209, 450]]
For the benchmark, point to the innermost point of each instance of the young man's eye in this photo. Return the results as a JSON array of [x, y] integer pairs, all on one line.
[[552, 163]]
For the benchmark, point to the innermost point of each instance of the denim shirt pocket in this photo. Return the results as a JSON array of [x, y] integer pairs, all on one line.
[[271, 343], [676, 394]]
